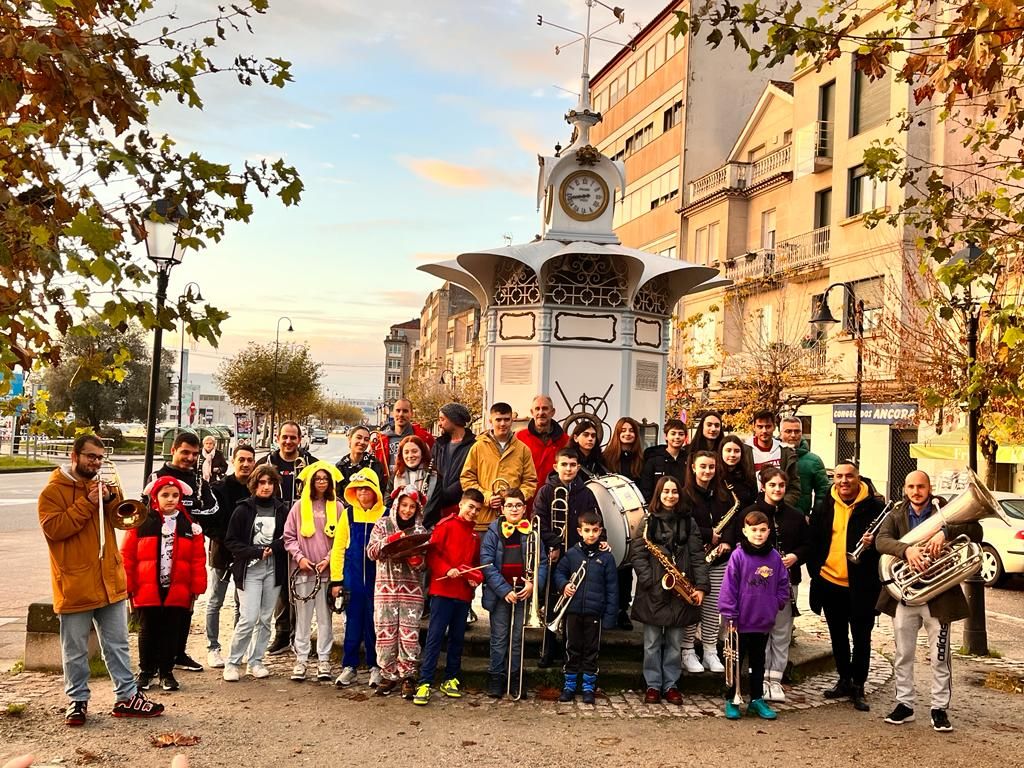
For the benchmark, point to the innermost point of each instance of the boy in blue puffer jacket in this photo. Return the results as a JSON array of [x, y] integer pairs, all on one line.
[[593, 604]]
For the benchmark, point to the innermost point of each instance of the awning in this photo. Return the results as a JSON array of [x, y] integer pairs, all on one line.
[[952, 446]]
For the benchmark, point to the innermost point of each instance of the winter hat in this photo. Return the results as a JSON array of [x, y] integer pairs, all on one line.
[[457, 414], [408, 490], [154, 487]]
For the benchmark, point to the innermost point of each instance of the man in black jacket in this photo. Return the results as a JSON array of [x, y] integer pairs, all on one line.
[[846, 591], [449, 456], [231, 490], [668, 459]]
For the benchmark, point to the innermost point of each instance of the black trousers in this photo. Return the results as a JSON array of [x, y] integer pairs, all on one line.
[[625, 589], [846, 622], [752, 648], [582, 643], [159, 637]]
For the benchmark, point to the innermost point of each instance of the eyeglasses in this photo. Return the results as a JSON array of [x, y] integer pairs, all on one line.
[[93, 456], [514, 505]]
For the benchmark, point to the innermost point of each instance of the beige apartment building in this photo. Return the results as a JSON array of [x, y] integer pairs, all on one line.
[[401, 349]]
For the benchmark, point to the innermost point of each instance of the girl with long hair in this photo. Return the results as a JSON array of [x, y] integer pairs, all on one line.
[[738, 470], [584, 440], [412, 462]]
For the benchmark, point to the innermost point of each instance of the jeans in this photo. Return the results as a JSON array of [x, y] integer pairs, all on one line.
[[662, 656], [501, 619], [447, 615], [111, 622], [258, 596], [218, 590]]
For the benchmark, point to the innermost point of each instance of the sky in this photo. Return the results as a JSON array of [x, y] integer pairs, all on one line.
[[415, 127]]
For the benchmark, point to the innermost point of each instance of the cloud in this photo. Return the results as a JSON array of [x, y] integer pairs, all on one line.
[[448, 174], [367, 102], [301, 125]]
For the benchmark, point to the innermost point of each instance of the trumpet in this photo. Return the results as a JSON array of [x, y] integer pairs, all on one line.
[[560, 607], [873, 529], [731, 658]]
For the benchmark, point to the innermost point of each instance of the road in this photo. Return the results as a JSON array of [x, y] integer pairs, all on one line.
[[25, 572]]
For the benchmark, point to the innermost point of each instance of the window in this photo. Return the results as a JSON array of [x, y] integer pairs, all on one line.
[[768, 230], [394, 378], [864, 193], [700, 246], [712, 243], [870, 101], [651, 65], [787, 138], [822, 208], [870, 291], [672, 116], [826, 118], [704, 338], [668, 253], [394, 349], [600, 99], [631, 74], [659, 53], [394, 365], [755, 154], [673, 45], [469, 333], [763, 321], [450, 340]]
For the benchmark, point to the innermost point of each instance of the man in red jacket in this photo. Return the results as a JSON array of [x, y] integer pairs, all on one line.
[[453, 574], [386, 450], [543, 436]]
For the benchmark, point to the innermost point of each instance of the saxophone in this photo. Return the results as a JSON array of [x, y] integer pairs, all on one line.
[[713, 551], [674, 579]]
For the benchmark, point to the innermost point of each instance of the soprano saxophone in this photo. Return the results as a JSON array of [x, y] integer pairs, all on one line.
[[674, 579], [714, 551]]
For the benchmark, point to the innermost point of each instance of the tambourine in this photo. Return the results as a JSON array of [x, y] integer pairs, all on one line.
[[407, 546], [294, 585]]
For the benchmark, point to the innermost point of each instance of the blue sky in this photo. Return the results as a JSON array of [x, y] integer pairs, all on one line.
[[415, 127]]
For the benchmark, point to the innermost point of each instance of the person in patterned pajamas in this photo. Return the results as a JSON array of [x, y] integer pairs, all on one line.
[[398, 594]]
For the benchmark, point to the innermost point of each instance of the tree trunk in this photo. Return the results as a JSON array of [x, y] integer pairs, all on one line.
[[988, 448]]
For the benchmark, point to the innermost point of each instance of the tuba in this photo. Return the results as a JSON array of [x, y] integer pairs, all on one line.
[[960, 558]]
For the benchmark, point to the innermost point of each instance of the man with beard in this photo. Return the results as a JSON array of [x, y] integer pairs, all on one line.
[[201, 507], [387, 450], [231, 490], [449, 456], [543, 436], [89, 584]]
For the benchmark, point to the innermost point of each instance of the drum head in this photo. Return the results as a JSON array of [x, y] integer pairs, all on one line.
[[622, 510]]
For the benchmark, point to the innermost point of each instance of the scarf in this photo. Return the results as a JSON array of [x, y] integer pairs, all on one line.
[[208, 464], [306, 525]]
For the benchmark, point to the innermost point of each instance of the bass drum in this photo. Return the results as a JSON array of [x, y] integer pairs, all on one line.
[[622, 508]]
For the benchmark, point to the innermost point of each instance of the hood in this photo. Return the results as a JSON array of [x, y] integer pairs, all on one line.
[[487, 437], [409, 430], [306, 475], [555, 433], [662, 450], [862, 494], [576, 484], [803, 449], [364, 478], [62, 476]]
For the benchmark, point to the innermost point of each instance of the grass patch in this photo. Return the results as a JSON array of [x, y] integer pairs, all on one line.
[[97, 667], [16, 709], [993, 653], [19, 667], [132, 446], [20, 462]]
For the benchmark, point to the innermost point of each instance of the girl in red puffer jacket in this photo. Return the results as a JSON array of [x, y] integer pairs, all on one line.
[[165, 565]]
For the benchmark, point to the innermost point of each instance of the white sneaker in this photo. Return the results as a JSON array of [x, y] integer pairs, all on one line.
[[711, 661], [323, 671], [375, 677], [774, 692], [230, 674], [690, 661], [299, 671], [347, 677], [214, 660], [259, 670]]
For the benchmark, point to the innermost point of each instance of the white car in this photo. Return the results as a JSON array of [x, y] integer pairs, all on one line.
[[1003, 545]]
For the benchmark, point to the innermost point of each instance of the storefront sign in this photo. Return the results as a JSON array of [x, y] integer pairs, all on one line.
[[875, 413]]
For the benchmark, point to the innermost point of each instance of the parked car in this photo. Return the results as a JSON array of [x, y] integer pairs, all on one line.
[[319, 436], [1003, 545]]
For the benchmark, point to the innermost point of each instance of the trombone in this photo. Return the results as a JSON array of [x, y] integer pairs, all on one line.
[[531, 613], [128, 514], [559, 516]]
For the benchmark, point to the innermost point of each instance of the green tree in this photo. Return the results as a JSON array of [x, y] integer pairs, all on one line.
[[80, 163], [103, 375], [248, 379]]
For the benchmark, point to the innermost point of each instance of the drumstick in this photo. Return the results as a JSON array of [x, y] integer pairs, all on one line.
[[463, 573]]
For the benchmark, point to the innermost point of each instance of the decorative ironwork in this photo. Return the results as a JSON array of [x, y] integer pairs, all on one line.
[[588, 155], [653, 297], [515, 284], [591, 407], [587, 280]]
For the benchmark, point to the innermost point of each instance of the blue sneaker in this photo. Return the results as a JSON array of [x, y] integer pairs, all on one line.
[[732, 711], [760, 708]]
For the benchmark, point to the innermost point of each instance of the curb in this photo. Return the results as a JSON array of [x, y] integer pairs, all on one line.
[[27, 470]]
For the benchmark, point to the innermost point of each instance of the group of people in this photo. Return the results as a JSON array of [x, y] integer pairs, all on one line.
[[406, 527]]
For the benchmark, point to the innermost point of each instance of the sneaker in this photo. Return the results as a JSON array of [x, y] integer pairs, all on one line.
[[214, 660], [258, 670], [760, 708], [653, 696], [299, 672], [347, 677], [279, 646], [471, 619], [732, 711], [940, 721], [408, 688], [187, 663], [323, 671], [168, 683], [774, 692], [691, 663], [422, 695], [450, 688], [144, 680], [673, 696], [231, 673], [375, 677], [386, 687], [137, 706], [711, 661], [75, 713], [589, 697], [902, 714]]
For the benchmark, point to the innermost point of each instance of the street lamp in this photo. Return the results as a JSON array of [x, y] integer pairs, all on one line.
[[186, 295], [162, 222], [441, 380], [277, 350], [823, 317]]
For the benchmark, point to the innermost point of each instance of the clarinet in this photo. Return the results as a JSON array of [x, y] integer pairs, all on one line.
[[430, 472]]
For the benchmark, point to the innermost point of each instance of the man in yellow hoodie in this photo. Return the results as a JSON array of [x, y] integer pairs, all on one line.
[[89, 584], [846, 591]]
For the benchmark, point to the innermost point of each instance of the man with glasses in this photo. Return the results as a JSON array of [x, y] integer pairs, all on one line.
[[89, 585], [814, 482]]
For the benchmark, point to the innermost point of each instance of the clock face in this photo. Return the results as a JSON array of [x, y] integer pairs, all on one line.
[[584, 195]]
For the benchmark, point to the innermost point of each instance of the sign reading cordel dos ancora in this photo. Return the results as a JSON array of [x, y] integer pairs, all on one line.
[[875, 413]]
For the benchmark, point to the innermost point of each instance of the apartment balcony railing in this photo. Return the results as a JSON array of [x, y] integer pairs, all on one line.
[[728, 176], [806, 250], [754, 265], [772, 164]]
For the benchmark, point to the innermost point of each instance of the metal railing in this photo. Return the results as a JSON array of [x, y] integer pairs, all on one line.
[[808, 249], [40, 446], [823, 139]]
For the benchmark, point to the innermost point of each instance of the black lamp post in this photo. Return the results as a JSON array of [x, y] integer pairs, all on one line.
[[162, 223], [441, 380], [277, 350], [186, 295], [822, 317]]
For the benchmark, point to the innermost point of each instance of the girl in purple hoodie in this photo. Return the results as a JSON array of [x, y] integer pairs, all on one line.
[[754, 590]]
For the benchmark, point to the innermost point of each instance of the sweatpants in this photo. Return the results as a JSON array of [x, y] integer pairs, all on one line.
[[304, 612], [777, 653], [582, 643], [752, 645], [845, 623], [905, 626]]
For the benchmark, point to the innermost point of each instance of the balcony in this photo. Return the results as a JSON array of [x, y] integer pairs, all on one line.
[[739, 176], [807, 250], [755, 265], [772, 164]]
